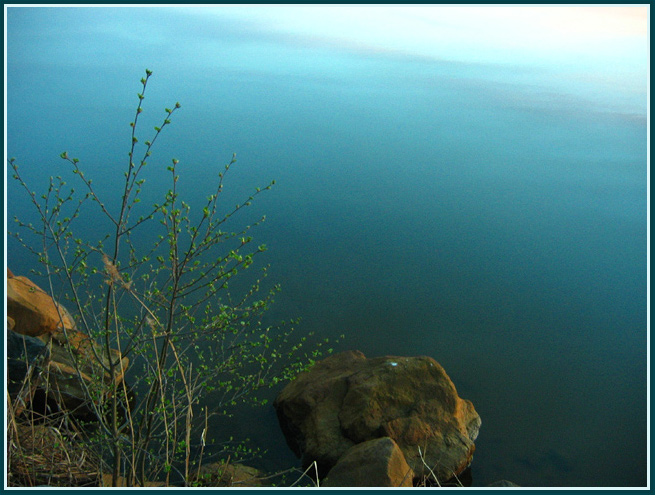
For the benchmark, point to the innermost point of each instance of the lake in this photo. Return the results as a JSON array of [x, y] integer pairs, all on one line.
[[491, 216]]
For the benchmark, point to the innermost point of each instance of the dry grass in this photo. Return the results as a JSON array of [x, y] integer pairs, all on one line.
[[47, 452]]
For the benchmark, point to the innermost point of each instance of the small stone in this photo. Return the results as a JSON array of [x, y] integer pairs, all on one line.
[[378, 462], [502, 483], [230, 475]]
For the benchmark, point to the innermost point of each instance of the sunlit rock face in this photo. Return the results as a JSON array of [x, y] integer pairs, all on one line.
[[75, 366], [348, 399], [32, 310]]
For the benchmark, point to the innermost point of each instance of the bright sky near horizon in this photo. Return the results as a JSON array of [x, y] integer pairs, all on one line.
[[488, 34], [580, 49], [597, 52]]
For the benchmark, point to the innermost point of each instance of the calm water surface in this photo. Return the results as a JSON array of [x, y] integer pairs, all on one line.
[[477, 214]]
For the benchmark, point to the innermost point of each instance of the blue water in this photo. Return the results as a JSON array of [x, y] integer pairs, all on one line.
[[478, 214]]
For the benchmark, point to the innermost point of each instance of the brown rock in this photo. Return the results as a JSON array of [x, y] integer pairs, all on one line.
[[378, 462], [308, 411], [33, 310], [74, 369], [80, 344], [9, 273], [232, 475], [77, 364], [347, 399]]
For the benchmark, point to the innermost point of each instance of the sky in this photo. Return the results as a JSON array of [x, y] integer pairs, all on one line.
[[579, 41], [573, 47], [471, 33]]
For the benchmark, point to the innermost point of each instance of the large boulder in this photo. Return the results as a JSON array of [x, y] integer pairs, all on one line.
[[76, 368], [348, 399], [33, 310], [378, 462]]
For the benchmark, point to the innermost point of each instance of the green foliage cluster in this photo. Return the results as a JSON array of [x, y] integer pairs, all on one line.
[[195, 349]]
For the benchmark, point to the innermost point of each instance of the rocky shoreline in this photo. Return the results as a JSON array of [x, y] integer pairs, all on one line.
[[353, 421]]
